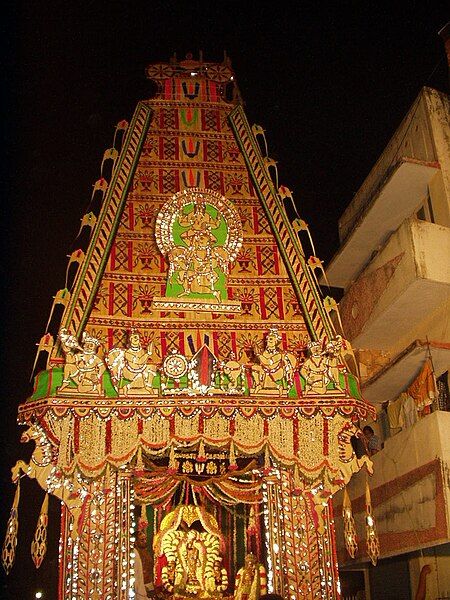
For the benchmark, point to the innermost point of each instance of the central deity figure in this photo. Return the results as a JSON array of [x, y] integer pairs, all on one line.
[[200, 234], [198, 260]]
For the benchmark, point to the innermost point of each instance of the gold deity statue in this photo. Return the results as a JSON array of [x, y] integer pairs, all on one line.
[[192, 565], [274, 369], [82, 367], [131, 371], [251, 580]]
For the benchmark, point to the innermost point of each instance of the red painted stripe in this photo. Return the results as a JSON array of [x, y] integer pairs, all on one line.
[[262, 303], [216, 343], [255, 220], [130, 255], [326, 441], [131, 222], [213, 96], [130, 300], [202, 119], [108, 437], [112, 257], [276, 260], [233, 343], [280, 302], [76, 435], [258, 260], [181, 342], [111, 298], [168, 89]]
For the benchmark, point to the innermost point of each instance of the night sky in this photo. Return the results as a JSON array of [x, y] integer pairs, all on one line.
[[329, 86]]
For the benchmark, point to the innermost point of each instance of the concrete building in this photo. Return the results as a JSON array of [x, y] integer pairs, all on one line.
[[394, 268]]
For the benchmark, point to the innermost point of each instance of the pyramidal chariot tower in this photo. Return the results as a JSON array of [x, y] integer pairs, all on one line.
[[196, 388]]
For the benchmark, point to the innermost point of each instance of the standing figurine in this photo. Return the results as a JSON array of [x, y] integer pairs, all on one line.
[[251, 580]]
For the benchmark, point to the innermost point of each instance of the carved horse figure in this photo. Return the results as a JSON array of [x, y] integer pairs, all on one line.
[[43, 468], [349, 463]]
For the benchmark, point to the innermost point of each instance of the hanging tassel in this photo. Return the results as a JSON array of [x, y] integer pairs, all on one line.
[[139, 461], [77, 256], [45, 345], [373, 543], [88, 220], [201, 456], [12, 528], [110, 154], [172, 468], [102, 185], [301, 225], [258, 130], [270, 162], [143, 521], [39, 543], [61, 297], [315, 263], [350, 537], [267, 466], [233, 465], [121, 126], [298, 484]]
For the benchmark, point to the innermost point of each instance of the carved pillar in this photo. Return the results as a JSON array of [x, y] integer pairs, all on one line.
[[96, 564], [301, 559]]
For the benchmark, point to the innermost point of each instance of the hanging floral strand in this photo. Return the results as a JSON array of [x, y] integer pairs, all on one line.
[[39, 543], [12, 528], [373, 543], [350, 537]]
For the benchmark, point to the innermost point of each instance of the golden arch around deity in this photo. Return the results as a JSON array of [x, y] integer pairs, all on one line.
[[200, 233], [188, 557]]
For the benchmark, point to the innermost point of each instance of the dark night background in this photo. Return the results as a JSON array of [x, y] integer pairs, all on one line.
[[329, 84]]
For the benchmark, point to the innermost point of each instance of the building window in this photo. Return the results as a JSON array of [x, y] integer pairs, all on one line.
[[443, 399]]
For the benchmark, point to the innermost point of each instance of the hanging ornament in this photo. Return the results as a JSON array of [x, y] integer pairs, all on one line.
[[267, 466], [12, 528], [139, 461], [143, 522], [121, 126], [373, 543], [39, 543], [45, 345], [301, 225], [172, 468], [201, 456], [109, 154], [350, 537], [233, 465], [298, 484], [88, 220]]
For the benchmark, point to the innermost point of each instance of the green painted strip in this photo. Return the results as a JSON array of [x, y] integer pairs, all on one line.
[[281, 247], [106, 207]]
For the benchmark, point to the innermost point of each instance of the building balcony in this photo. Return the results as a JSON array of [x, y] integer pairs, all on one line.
[[410, 491], [408, 280], [370, 219]]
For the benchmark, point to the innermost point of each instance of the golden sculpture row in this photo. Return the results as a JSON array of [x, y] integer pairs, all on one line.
[[133, 372]]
